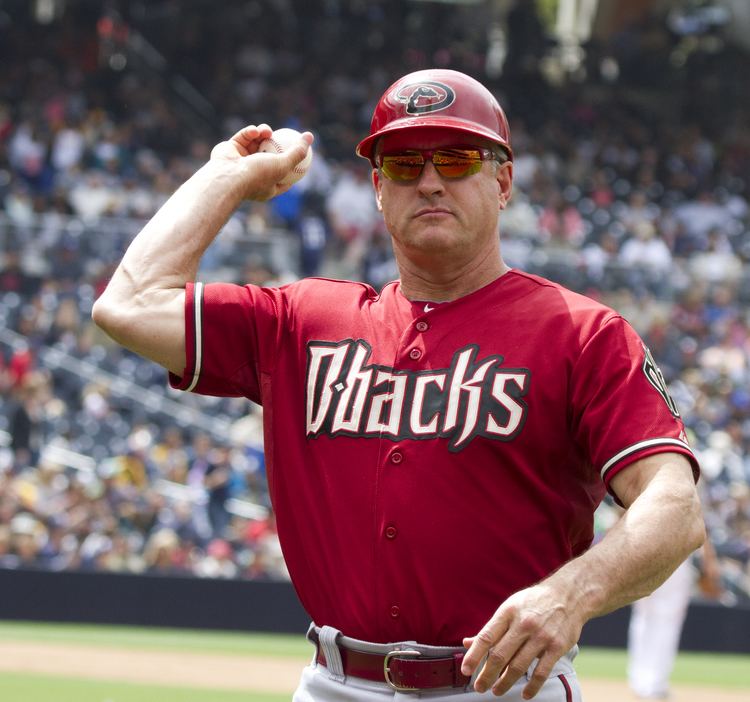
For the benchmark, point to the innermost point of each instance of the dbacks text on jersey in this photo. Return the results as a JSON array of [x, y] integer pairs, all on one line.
[[345, 396]]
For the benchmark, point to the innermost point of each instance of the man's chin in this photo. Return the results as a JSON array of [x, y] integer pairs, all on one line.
[[433, 236], [436, 242]]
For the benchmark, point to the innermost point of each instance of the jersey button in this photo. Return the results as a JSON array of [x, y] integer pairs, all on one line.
[[397, 457], [391, 532], [422, 326], [395, 612], [414, 354]]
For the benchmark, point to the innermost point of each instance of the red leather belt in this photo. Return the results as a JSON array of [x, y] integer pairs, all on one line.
[[403, 670]]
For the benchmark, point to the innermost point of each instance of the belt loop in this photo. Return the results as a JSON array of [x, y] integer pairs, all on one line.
[[335, 666], [314, 642]]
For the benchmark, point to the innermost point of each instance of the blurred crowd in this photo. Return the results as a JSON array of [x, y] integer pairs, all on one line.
[[644, 209]]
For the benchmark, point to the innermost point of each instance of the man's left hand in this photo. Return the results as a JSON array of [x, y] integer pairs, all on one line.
[[532, 623]]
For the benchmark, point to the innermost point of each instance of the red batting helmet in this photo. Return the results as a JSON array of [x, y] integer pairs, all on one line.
[[437, 98]]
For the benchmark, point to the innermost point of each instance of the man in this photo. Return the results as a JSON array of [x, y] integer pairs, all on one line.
[[435, 451]]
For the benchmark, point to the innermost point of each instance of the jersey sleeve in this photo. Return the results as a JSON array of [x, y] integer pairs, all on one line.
[[622, 410], [230, 331]]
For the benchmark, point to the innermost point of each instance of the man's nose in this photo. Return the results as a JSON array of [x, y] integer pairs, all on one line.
[[430, 181]]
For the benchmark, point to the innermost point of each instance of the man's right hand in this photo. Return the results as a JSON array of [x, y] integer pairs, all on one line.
[[260, 173]]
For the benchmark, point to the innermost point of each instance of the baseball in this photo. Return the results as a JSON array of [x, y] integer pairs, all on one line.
[[280, 141]]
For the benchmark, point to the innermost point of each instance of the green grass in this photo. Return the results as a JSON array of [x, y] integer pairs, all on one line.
[[709, 669], [282, 645], [719, 669], [16, 687]]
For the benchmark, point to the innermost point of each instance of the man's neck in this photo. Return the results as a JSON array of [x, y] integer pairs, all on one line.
[[445, 283]]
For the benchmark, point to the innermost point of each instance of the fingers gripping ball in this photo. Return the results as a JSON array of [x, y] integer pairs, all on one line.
[[280, 141]]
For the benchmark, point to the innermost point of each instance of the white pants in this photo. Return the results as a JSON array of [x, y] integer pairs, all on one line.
[[318, 684], [654, 634]]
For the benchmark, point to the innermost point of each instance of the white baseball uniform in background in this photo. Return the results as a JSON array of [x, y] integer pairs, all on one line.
[[654, 634]]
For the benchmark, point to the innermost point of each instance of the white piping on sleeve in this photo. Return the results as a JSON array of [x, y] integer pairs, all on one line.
[[198, 322], [639, 446]]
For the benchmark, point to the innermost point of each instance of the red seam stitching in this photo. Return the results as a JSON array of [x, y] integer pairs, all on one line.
[[566, 685]]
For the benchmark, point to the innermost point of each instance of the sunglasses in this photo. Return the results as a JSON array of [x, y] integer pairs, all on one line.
[[452, 162]]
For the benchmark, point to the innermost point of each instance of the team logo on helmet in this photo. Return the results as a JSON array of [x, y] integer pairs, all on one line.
[[425, 96]]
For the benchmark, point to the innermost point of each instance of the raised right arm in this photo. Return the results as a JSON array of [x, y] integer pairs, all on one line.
[[143, 305]]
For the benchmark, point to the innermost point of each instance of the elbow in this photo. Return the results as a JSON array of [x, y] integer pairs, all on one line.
[[695, 530], [101, 314], [98, 313], [106, 316], [699, 531]]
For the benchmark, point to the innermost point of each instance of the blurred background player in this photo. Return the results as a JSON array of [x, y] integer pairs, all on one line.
[[656, 623]]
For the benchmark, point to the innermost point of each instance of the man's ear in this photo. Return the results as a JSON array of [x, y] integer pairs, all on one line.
[[504, 176], [376, 185]]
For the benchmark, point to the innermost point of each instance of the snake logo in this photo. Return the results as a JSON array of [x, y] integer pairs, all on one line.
[[656, 378], [425, 97]]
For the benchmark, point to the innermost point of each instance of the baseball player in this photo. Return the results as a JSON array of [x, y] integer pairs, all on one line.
[[656, 624], [435, 450]]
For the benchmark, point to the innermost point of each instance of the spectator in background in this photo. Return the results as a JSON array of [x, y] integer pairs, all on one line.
[[353, 216], [92, 197], [701, 215], [28, 536], [600, 259], [169, 456], [28, 153], [378, 263], [13, 276], [724, 358], [639, 210], [19, 205], [68, 147], [717, 262], [560, 223], [219, 561], [314, 231], [25, 413], [647, 259], [162, 553], [218, 481], [600, 190], [8, 559]]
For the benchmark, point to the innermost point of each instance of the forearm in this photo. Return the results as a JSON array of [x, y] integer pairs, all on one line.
[[658, 531], [167, 252], [143, 305]]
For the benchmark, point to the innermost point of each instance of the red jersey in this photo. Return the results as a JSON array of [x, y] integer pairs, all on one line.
[[425, 461]]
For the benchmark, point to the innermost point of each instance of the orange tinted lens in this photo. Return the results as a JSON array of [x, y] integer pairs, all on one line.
[[406, 166], [457, 163]]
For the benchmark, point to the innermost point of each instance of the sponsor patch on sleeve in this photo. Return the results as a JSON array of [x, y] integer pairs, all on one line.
[[656, 378]]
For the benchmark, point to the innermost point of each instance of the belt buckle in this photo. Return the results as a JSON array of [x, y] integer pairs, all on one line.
[[408, 653]]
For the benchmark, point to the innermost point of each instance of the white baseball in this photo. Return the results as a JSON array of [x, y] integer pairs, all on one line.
[[280, 141]]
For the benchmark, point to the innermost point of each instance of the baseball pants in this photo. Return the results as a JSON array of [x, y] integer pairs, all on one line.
[[319, 684], [654, 634]]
